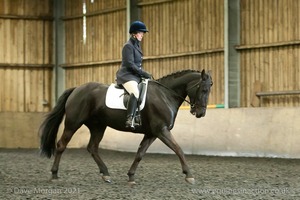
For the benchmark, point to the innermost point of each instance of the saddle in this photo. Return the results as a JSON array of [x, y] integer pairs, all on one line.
[[117, 97]]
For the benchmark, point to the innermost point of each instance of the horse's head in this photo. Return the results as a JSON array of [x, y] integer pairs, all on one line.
[[198, 92]]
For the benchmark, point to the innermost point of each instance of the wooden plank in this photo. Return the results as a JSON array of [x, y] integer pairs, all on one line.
[[28, 65], [37, 90], [2, 77], [13, 83], [153, 2], [7, 90], [27, 91], [296, 20], [2, 39], [7, 42], [20, 42], [27, 42], [48, 92], [262, 24], [213, 51], [277, 93], [284, 24], [27, 17], [20, 90]]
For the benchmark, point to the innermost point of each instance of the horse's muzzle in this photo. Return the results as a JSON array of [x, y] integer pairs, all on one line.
[[198, 111]]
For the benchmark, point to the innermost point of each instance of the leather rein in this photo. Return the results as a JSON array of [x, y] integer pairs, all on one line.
[[173, 92]]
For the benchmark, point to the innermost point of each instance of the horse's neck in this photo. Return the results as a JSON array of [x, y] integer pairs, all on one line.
[[177, 89], [179, 83]]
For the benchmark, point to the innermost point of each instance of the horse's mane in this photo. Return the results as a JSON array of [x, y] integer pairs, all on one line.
[[178, 73]]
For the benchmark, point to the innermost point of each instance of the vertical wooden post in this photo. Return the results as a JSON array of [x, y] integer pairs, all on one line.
[[231, 56], [132, 13], [59, 50], [226, 53]]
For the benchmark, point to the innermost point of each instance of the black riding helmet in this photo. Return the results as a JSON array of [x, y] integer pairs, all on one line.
[[137, 26]]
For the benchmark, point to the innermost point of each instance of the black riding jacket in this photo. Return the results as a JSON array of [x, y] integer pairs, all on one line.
[[131, 67]]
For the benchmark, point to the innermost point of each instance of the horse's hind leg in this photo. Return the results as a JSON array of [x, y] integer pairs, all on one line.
[[61, 146], [96, 137]]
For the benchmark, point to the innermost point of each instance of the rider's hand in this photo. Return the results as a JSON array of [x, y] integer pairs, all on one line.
[[146, 75]]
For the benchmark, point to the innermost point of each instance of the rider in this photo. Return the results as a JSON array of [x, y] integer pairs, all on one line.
[[131, 71]]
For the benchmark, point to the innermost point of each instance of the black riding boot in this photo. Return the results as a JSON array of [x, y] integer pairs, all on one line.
[[131, 108]]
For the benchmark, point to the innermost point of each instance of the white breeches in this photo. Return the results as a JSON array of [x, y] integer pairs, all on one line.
[[132, 88]]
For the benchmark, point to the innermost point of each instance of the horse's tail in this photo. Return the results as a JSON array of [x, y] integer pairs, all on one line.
[[49, 127]]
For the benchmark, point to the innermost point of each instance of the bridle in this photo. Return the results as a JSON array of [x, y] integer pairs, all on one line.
[[196, 94], [197, 90]]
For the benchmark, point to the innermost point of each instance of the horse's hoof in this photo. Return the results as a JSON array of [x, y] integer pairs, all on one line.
[[54, 177], [106, 179], [190, 180], [131, 183]]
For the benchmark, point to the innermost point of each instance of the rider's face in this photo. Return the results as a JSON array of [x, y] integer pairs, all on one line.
[[139, 36]]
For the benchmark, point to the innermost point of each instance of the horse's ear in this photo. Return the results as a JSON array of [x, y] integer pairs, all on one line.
[[203, 74]]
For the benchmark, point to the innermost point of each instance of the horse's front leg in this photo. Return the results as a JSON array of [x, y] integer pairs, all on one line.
[[144, 145], [167, 138]]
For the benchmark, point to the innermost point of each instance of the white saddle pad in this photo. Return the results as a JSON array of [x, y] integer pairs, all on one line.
[[114, 97]]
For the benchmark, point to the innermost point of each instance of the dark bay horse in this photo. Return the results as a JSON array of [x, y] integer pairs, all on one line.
[[86, 105]]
